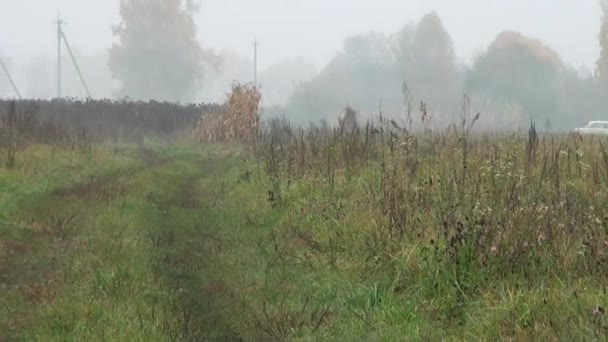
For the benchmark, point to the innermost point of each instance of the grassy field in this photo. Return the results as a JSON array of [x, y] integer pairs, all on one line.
[[318, 235], [106, 246]]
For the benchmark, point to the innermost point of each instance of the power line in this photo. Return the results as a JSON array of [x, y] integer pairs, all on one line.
[[84, 84], [10, 79], [61, 36]]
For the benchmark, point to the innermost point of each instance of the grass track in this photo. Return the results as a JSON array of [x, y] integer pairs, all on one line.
[[112, 257]]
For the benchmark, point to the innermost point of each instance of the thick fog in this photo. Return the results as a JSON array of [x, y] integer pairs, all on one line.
[[306, 50]]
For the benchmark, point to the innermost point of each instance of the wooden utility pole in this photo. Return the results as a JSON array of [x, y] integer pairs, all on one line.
[[61, 36], [60, 24], [255, 62]]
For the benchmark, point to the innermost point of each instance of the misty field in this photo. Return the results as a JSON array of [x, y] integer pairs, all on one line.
[[360, 232]]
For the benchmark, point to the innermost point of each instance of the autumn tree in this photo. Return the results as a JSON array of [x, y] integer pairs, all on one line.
[[431, 68], [371, 68], [360, 75], [602, 62], [157, 55], [520, 69], [402, 48]]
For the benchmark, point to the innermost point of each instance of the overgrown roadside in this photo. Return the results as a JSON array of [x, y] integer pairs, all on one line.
[[118, 256]]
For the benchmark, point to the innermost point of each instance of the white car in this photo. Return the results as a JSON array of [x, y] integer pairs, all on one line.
[[594, 127]]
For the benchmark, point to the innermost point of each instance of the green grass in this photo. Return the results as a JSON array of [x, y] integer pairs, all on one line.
[[182, 242], [102, 259], [297, 261]]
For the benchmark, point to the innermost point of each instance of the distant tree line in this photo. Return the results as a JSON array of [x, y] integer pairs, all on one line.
[[517, 79], [156, 55]]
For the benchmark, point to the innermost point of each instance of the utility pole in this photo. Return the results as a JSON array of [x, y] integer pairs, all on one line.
[[60, 24], [10, 79], [255, 62], [61, 36], [84, 84]]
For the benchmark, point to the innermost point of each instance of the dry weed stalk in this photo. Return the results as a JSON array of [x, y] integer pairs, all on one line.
[[10, 127], [236, 121]]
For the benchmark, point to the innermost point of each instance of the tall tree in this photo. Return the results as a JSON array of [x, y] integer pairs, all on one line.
[[401, 43], [361, 75], [433, 74], [520, 69], [157, 54], [602, 62]]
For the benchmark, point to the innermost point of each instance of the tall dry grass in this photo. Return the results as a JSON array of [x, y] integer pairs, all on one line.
[[511, 203], [236, 121]]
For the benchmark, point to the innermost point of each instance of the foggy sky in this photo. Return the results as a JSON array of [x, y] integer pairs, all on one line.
[[312, 29]]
